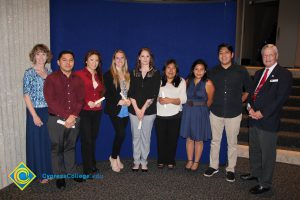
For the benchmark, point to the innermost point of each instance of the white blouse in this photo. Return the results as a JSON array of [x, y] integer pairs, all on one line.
[[172, 92]]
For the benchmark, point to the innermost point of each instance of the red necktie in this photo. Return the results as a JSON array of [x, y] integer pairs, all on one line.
[[261, 83]]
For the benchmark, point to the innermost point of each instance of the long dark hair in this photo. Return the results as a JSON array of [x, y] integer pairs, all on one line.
[[138, 62], [99, 67], [191, 75], [176, 80]]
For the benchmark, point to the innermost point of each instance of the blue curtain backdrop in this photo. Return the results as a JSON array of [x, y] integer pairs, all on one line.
[[181, 31]]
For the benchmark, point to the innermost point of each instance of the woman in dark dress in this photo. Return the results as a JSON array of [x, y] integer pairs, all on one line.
[[195, 124]]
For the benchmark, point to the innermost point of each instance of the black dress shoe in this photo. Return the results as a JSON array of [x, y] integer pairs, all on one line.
[[61, 183], [258, 189], [171, 166], [89, 176], [79, 180], [248, 177], [95, 170]]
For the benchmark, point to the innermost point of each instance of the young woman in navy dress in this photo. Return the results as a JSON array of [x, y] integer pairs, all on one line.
[[195, 124]]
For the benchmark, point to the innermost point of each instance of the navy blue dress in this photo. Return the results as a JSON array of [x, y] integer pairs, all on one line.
[[195, 122], [38, 146]]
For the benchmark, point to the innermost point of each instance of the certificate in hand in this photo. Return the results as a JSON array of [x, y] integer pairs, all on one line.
[[140, 125], [59, 121], [123, 97], [99, 100]]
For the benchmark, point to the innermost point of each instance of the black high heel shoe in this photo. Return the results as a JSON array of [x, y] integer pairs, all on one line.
[[160, 166], [144, 168], [135, 168], [171, 166]]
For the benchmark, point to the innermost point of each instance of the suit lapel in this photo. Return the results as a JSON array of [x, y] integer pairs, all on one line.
[[271, 76], [258, 77]]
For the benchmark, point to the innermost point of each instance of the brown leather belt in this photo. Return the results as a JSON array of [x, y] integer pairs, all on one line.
[[196, 103]]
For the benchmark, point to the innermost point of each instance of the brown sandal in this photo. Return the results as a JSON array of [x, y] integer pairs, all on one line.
[[195, 168], [189, 165]]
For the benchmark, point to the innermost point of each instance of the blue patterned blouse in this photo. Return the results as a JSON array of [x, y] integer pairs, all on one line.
[[33, 86]]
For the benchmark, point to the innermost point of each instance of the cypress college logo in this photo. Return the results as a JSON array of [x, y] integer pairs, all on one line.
[[22, 176]]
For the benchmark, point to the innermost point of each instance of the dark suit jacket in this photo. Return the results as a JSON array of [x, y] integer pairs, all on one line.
[[270, 98], [112, 95]]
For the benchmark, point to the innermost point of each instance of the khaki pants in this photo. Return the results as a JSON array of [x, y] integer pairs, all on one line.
[[232, 128]]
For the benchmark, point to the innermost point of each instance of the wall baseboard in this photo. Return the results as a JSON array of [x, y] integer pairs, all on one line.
[[283, 156]]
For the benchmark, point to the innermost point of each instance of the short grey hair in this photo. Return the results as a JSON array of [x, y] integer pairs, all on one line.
[[270, 46]]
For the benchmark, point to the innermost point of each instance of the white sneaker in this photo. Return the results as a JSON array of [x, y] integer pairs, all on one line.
[[114, 164], [120, 164]]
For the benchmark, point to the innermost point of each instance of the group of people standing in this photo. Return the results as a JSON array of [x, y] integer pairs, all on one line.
[[64, 104]]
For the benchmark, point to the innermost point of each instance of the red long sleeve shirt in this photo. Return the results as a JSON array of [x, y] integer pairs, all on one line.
[[91, 93], [64, 95]]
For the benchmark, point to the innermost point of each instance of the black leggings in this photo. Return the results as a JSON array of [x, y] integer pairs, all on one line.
[[119, 125]]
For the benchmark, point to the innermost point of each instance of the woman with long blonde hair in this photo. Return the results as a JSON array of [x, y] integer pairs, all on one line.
[[117, 82]]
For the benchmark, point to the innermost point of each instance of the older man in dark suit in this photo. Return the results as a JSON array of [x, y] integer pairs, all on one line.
[[272, 88]]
